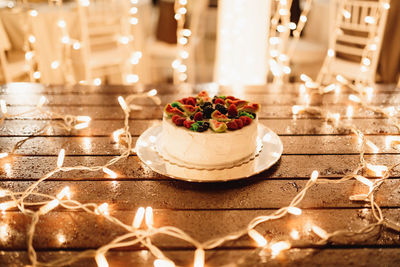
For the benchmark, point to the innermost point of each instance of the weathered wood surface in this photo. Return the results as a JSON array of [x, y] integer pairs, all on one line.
[[203, 210]]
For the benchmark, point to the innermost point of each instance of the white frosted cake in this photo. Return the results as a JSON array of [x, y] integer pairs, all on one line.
[[201, 131]]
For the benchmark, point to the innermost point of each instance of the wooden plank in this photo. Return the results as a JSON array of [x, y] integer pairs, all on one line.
[[299, 145], [32, 88], [112, 113], [107, 100], [238, 257], [288, 167], [245, 194], [83, 231], [137, 127]]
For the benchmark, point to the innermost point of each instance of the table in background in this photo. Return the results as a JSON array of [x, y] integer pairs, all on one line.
[[204, 210]]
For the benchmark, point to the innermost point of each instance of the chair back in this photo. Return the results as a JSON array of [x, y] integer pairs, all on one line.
[[357, 33]]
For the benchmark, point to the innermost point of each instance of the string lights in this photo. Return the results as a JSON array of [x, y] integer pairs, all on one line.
[[182, 35], [139, 233]]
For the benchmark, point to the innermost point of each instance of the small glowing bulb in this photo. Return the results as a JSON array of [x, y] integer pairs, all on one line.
[[331, 53], [133, 21], [97, 82], [372, 47], [369, 20], [102, 209], [49, 206], [124, 40], [184, 54], [186, 32], [149, 217], [28, 55], [65, 192], [366, 61], [83, 118], [33, 13], [292, 25], [122, 103], [341, 79], [319, 232], [354, 98], [60, 159], [283, 12], [76, 45], [163, 263], [199, 256], [61, 238], [85, 3], [314, 176], [3, 106], [346, 13], [294, 234], [55, 64], [377, 170], [3, 193], [364, 180], [176, 63], [133, 10], [256, 236], [81, 126], [287, 69], [65, 39], [183, 2], [386, 5], [305, 78], [374, 148], [177, 16], [7, 205], [42, 101], [329, 88], [132, 78], [116, 135], [36, 75], [349, 112], [111, 173], [61, 23], [32, 39], [281, 28], [303, 18], [274, 40], [137, 221], [297, 109], [183, 40], [182, 10], [182, 68], [294, 210], [101, 260], [152, 92], [278, 247]]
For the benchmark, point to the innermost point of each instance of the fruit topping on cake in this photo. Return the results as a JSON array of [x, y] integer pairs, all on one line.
[[220, 113]]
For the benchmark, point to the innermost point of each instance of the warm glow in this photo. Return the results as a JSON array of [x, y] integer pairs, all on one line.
[[346, 14], [354, 98], [76, 45], [33, 13], [82, 125], [297, 109], [60, 159], [42, 100], [377, 170], [7, 205], [369, 20], [31, 39], [3, 155], [111, 173], [122, 103], [341, 79], [65, 192], [199, 257], [55, 64], [349, 112], [61, 238], [83, 118], [137, 221], [314, 175], [149, 217], [163, 263], [36, 75], [278, 247], [331, 53], [3, 106], [294, 211], [305, 78], [101, 260], [319, 232], [116, 134], [152, 92], [61, 23], [294, 234], [256, 236], [102, 209], [132, 78], [4, 231], [364, 180], [374, 148], [49, 206]]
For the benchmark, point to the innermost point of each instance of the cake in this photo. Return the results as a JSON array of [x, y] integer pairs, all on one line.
[[204, 131]]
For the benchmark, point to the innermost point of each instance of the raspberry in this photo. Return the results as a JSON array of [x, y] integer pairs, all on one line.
[[239, 123], [219, 101], [231, 97], [198, 116], [232, 125], [246, 120], [174, 118], [191, 101], [187, 124], [232, 111], [179, 121]]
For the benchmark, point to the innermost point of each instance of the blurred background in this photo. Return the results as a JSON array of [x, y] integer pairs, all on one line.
[[131, 41]]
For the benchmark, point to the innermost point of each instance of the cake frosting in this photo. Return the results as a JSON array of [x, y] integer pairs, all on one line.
[[203, 131]]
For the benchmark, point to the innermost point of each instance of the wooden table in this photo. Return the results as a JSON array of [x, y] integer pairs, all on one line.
[[204, 210]]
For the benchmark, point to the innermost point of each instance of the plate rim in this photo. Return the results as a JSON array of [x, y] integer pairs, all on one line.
[[266, 167]]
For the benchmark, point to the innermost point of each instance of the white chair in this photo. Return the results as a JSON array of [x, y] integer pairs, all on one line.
[[105, 38], [13, 65], [161, 54], [355, 42]]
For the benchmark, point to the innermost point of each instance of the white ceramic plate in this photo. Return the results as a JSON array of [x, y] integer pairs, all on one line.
[[268, 152]]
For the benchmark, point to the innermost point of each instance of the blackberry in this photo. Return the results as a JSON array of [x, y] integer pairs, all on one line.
[[221, 108], [191, 117], [206, 104], [207, 112], [206, 125]]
